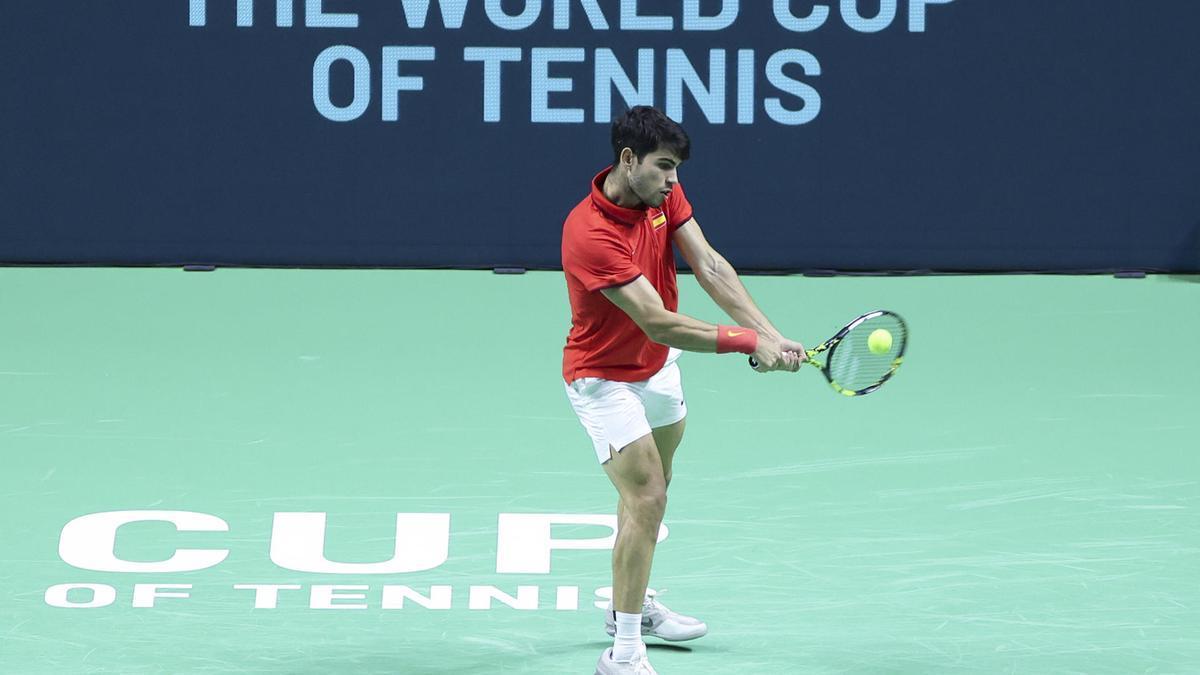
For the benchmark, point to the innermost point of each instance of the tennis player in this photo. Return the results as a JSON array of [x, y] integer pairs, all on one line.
[[619, 363]]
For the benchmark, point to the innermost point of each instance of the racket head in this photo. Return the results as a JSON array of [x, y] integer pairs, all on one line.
[[850, 366]]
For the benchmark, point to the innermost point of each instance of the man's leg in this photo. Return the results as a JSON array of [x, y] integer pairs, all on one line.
[[666, 439], [637, 473], [663, 623]]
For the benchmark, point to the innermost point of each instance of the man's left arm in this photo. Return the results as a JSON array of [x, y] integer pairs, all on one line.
[[720, 280]]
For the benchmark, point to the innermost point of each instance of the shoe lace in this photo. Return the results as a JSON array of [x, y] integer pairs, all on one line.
[[651, 601], [641, 662]]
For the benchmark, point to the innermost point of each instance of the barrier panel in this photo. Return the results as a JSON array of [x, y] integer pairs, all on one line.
[[849, 135]]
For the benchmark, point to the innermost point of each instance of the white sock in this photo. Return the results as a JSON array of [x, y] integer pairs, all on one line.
[[629, 636]]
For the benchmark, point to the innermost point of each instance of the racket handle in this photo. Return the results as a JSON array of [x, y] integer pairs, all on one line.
[[811, 353]]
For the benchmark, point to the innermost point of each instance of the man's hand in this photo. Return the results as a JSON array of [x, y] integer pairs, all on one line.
[[795, 348], [778, 354]]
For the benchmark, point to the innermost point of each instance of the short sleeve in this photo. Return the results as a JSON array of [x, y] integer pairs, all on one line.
[[678, 208], [600, 260]]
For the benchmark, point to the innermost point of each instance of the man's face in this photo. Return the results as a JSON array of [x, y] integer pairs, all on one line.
[[652, 178]]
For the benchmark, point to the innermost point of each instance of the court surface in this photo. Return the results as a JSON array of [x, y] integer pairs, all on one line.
[[1022, 498]]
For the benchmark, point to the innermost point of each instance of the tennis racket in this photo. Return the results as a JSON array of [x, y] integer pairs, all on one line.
[[850, 366]]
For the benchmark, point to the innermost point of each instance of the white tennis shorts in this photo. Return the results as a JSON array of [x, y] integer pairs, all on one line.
[[618, 413]]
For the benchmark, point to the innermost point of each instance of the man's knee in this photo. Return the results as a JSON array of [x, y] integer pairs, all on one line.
[[637, 473], [647, 506]]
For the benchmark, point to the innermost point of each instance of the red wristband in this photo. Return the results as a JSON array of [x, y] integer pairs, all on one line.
[[736, 339]]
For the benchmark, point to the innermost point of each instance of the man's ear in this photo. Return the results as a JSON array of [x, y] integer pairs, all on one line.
[[627, 156]]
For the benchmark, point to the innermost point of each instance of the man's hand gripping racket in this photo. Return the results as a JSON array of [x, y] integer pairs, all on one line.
[[861, 356]]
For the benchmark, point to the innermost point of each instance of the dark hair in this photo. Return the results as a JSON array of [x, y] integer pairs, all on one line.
[[644, 129]]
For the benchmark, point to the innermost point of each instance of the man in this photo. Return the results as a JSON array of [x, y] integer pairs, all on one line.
[[619, 360]]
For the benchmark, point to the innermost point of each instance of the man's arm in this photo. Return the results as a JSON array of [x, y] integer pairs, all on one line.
[[720, 280], [644, 305]]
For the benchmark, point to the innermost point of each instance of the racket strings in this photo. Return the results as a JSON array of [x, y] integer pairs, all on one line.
[[853, 365]]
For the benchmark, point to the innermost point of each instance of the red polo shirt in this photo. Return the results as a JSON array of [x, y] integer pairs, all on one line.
[[605, 245]]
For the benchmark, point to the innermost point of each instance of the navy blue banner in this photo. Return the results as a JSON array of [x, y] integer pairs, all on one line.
[[851, 134]]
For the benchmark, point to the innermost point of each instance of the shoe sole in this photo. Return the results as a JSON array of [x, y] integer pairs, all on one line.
[[613, 633]]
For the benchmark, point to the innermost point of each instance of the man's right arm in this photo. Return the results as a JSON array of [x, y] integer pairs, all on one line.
[[644, 305]]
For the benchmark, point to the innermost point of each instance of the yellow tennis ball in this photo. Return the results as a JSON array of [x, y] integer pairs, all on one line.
[[880, 341]]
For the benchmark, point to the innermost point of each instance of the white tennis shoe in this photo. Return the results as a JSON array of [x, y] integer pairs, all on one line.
[[660, 622], [639, 666]]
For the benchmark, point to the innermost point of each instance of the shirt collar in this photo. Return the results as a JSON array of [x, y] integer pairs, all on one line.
[[618, 213]]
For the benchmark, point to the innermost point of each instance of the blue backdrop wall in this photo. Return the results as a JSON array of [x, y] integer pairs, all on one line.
[[855, 135]]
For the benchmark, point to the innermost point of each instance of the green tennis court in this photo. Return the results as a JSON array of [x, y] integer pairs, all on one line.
[[1021, 498]]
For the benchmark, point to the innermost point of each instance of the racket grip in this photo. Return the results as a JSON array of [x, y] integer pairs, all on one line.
[[754, 361]]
